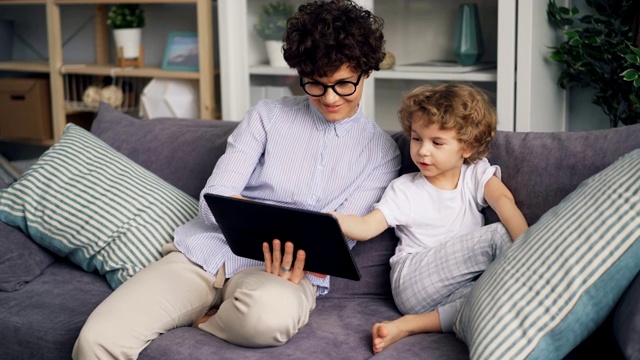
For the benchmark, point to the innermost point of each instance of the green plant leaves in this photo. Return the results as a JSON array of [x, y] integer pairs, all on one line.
[[633, 58], [272, 21], [125, 16], [630, 74], [597, 53]]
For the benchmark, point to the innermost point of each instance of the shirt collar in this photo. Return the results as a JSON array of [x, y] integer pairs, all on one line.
[[341, 127]]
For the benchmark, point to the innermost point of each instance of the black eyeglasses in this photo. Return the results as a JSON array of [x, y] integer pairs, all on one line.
[[342, 88]]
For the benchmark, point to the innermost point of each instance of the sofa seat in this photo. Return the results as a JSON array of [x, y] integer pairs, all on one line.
[[44, 318]]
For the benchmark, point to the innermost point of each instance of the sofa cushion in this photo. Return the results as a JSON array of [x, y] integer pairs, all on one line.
[[85, 201], [180, 151], [21, 260], [563, 276], [626, 321]]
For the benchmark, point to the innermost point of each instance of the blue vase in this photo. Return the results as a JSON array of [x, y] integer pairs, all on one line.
[[468, 47]]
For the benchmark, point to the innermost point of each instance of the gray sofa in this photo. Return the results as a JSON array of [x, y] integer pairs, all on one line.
[[44, 299]]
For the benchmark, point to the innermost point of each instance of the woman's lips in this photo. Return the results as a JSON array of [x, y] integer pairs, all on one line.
[[332, 108]]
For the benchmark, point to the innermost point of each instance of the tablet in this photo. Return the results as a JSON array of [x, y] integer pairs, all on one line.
[[247, 224]]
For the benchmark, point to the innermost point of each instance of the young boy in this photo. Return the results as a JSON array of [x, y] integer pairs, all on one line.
[[444, 245]]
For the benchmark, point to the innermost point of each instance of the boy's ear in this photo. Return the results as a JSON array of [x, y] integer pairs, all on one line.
[[467, 152]]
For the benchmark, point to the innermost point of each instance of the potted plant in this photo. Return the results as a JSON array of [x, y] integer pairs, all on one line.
[[272, 22], [599, 51], [632, 73], [127, 21]]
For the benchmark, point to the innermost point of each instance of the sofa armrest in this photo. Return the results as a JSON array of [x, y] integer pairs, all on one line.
[[4, 183], [626, 321]]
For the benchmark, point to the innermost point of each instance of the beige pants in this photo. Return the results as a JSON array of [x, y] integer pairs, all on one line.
[[256, 309]]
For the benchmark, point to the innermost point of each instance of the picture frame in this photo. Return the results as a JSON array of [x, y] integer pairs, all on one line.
[[181, 51]]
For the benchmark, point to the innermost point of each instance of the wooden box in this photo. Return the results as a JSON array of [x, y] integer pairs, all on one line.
[[25, 109]]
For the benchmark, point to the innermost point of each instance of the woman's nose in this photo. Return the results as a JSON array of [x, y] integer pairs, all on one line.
[[330, 95]]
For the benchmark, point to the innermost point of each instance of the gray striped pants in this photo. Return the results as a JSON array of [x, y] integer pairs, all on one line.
[[440, 277]]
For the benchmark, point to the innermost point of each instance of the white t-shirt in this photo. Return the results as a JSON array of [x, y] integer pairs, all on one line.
[[424, 216]]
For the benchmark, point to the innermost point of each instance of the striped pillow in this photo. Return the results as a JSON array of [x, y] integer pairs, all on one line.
[[561, 279], [85, 201]]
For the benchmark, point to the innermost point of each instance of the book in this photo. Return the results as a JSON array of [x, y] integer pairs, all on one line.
[[443, 66]]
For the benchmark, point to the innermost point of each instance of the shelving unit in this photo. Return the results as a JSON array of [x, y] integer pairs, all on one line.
[[515, 34], [31, 66], [57, 67]]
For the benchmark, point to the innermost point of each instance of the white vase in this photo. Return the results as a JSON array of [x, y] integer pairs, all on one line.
[[129, 41], [274, 53]]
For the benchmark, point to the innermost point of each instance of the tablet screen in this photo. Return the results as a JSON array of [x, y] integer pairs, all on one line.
[[247, 224]]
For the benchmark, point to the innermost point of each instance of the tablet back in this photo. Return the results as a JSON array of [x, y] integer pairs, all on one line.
[[247, 224]]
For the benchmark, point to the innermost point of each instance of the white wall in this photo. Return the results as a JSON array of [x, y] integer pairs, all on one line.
[[540, 104], [584, 115]]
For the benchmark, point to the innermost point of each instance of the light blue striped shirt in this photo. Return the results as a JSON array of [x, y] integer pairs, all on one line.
[[285, 152]]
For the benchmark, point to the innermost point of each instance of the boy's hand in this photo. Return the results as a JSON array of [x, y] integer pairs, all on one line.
[[339, 217], [281, 264]]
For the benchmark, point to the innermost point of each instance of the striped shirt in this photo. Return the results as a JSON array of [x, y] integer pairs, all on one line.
[[285, 152]]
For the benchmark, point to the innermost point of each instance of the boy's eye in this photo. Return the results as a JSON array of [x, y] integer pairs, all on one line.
[[437, 143], [415, 138]]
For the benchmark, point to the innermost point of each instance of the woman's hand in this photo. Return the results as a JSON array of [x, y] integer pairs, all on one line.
[[281, 264]]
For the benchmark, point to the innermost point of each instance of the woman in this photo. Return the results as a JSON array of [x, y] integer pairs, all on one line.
[[317, 152]]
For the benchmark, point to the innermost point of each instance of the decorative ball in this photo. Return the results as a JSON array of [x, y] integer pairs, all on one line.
[[112, 95], [91, 97], [388, 62]]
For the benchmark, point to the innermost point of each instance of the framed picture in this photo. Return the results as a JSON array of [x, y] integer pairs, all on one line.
[[181, 52]]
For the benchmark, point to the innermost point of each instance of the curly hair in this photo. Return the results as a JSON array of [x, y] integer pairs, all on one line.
[[463, 108], [324, 35]]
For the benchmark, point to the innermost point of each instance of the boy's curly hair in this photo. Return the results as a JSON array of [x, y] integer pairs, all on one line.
[[463, 108], [324, 35]]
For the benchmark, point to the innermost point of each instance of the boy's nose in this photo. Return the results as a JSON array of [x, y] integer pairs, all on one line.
[[425, 149]]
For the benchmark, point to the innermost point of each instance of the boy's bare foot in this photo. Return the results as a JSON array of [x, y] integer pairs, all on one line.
[[205, 317], [386, 333]]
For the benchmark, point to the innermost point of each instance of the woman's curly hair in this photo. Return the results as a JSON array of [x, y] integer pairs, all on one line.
[[324, 35], [463, 108]]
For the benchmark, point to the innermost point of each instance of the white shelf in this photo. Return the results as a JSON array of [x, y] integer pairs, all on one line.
[[417, 30], [271, 70], [473, 76]]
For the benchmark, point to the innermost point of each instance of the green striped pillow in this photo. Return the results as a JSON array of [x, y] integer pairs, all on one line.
[[561, 279], [85, 201]]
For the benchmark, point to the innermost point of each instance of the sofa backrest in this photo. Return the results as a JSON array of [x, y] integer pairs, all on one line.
[[541, 169], [183, 152]]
